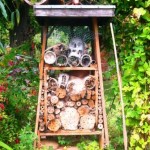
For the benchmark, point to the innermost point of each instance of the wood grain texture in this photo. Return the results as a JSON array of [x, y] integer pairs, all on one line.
[[98, 60]]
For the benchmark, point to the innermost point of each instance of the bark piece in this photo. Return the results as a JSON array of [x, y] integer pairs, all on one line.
[[50, 109], [61, 92], [54, 125], [54, 99], [69, 118], [87, 122], [83, 110], [91, 103]]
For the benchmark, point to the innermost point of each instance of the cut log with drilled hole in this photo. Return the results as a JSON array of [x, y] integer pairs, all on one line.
[[100, 121], [84, 101], [50, 109], [78, 103], [54, 125], [91, 103], [100, 126], [87, 122], [50, 117], [69, 118], [54, 100], [100, 116], [61, 92], [83, 110], [42, 109], [60, 104]]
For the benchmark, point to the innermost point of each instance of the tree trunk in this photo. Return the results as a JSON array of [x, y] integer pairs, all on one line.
[[23, 31]]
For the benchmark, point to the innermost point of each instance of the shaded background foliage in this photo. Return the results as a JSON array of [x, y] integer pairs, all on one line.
[[19, 78]]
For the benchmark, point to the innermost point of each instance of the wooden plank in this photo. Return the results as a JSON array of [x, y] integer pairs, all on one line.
[[76, 132], [98, 60], [48, 67], [101, 140], [41, 65], [38, 110], [74, 10]]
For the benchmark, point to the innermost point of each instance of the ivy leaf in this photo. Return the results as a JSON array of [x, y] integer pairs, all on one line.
[[138, 12], [148, 72]]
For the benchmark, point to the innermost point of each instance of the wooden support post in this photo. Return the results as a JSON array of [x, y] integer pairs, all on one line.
[[41, 65], [101, 140], [38, 110], [98, 60]]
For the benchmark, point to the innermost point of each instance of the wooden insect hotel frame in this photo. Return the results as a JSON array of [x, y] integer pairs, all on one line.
[[72, 102]]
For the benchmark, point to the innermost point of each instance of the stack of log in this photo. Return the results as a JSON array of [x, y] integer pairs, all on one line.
[[69, 108], [42, 111], [100, 109], [59, 55], [70, 104]]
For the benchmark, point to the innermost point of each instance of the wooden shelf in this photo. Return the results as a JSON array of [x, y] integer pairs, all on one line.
[[68, 133], [48, 67]]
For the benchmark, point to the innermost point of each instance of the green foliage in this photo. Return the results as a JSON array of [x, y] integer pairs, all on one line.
[[3, 10], [27, 138], [5, 146], [88, 145], [19, 75], [132, 28]]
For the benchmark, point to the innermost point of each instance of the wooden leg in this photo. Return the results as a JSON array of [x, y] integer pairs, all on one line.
[[101, 140]]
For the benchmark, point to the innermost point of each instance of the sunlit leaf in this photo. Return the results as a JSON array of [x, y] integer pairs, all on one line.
[[17, 16], [3, 10]]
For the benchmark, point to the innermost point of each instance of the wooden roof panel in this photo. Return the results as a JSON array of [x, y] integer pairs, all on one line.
[[72, 14]]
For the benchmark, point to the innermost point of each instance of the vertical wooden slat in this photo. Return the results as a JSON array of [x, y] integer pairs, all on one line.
[[41, 66], [101, 140], [38, 110], [98, 60]]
